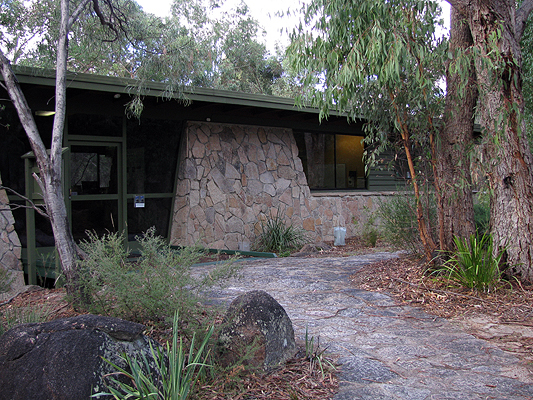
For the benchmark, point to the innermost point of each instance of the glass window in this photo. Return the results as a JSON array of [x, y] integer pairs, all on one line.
[[156, 212], [94, 125], [152, 154], [93, 170], [99, 217], [332, 161]]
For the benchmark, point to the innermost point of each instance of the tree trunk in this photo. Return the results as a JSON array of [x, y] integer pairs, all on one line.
[[506, 150], [456, 208]]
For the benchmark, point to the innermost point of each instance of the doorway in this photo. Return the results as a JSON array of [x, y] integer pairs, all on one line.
[[96, 188]]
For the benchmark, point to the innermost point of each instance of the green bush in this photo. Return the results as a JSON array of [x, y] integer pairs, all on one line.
[[473, 264], [369, 231], [153, 286], [277, 237], [176, 372], [398, 223]]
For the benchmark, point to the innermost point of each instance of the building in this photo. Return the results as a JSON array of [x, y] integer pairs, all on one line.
[[207, 168]]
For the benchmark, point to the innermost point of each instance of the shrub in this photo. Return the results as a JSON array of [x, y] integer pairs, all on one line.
[[369, 231], [152, 287], [398, 220], [175, 371], [473, 264], [278, 237]]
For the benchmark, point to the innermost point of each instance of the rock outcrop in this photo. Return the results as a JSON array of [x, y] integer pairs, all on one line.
[[63, 359]]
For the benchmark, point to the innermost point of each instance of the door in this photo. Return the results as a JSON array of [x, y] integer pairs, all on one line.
[[96, 188]]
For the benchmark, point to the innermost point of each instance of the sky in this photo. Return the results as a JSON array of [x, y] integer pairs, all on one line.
[[265, 12]]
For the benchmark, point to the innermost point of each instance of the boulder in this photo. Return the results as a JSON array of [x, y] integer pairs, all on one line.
[[256, 331], [62, 359]]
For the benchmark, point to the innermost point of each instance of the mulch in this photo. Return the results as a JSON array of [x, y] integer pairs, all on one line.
[[408, 281], [405, 279]]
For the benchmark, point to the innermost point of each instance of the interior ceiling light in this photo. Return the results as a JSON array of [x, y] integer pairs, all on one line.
[[44, 113]]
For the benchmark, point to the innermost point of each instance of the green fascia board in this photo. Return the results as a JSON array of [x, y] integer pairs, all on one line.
[[156, 89]]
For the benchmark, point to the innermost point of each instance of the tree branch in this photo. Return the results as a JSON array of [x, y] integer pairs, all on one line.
[[77, 13], [521, 17], [32, 204]]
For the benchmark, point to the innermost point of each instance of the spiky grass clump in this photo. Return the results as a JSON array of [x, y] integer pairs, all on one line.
[[278, 237], [473, 265]]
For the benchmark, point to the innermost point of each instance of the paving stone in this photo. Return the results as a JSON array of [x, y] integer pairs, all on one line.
[[385, 350]]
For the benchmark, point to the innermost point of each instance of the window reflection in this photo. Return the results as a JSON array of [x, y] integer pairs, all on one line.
[[332, 161]]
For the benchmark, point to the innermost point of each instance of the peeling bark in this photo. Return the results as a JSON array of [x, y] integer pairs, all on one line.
[[456, 208], [506, 149]]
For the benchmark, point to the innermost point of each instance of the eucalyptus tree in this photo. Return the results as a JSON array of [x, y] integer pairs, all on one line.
[[496, 28], [380, 60], [366, 41], [49, 162]]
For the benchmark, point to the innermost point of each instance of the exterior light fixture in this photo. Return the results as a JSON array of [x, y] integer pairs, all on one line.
[[44, 113]]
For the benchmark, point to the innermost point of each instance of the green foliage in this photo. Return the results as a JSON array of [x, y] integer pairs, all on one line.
[[153, 287], [398, 221], [372, 58], [473, 265], [176, 372], [369, 231], [278, 237], [11, 317], [202, 44], [482, 217]]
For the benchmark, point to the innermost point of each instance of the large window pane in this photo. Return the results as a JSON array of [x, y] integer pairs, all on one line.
[[93, 170], [156, 212], [350, 166], [96, 216], [332, 161], [94, 125], [152, 154]]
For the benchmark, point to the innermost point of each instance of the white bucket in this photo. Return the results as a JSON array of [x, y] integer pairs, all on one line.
[[339, 233]]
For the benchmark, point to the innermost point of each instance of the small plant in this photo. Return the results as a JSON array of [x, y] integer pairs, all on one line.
[[369, 232], [175, 372], [152, 286], [14, 316], [278, 237], [315, 355], [473, 264]]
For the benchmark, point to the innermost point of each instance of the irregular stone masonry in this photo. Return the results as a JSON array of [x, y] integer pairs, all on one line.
[[231, 178], [10, 248]]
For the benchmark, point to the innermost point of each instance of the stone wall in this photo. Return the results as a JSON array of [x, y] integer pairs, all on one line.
[[10, 248], [232, 177]]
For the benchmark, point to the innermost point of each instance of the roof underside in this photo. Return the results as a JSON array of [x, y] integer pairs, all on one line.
[[198, 104]]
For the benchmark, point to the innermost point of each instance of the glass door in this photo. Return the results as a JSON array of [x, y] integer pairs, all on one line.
[[96, 188]]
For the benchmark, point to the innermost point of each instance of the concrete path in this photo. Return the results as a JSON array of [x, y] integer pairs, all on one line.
[[385, 351]]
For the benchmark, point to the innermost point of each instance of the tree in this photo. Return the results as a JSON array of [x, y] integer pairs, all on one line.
[[496, 27], [380, 60], [483, 73], [455, 141], [49, 163]]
